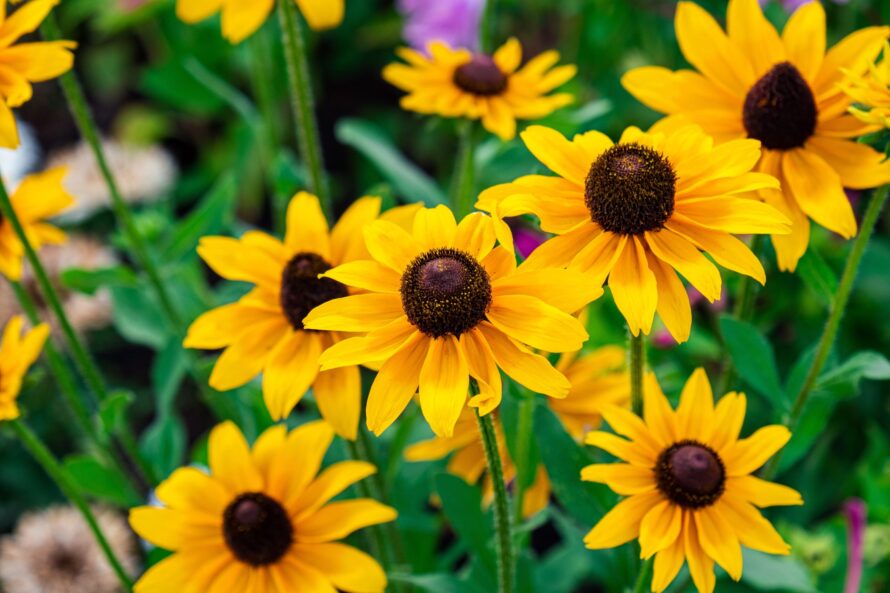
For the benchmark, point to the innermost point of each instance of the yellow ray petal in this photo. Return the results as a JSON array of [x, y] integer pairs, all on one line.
[[347, 568], [444, 380], [329, 484], [701, 566], [338, 393], [804, 39], [396, 383], [719, 540], [623, 478], [230, 460], [561, 156], [660, 528], [340, 519], [747, 455], [532, 370], [357, 313], [531, 321], [307, 227], [634, 287], [622, 523], [818, 191], [755, 36], [761, 493]]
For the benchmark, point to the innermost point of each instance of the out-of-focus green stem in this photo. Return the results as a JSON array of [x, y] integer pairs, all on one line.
[[488, 26], [465, 171]]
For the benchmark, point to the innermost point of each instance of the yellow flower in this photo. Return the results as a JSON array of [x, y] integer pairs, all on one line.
[[640, 211], [242, 18], [784, 91], [263, 332], [445, 304], [458, 83], [872, 91], [38, 197], [25, 63], [262, 519], [17, 354], [687, 478]]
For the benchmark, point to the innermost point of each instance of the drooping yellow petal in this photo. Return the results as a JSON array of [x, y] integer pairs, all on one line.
[[634, 287], [444, 380], [347, 568], [338, 393], [396, 383], [532, 370], [660, 528], [818, 191], [668, 563], [701, 566], [242, 18], [719, 540], [683, 256]]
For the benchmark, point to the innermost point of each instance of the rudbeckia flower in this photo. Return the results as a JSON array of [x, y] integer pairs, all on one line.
[[871, 91], [459, 83], [262, 520], [17, 353], [264, 332], [242, 18], [639, 211], [687, 478], [445, 304], [38, 197], [784, 91], [24, 63]]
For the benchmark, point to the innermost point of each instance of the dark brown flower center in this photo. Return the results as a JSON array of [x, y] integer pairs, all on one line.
[[780, 109], [257, 529], [481, 76], [445, 291], [302, 290], [630, 189], [690, 474]]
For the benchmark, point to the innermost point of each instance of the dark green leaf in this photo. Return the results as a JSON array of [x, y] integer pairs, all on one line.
[[164, 444], [462, 504], [753, 356], [817, 275], [843, 380], [113, 411], [89, 281], [167, 373], [138, 318], [96, 480], [439, 583], [210, 217]]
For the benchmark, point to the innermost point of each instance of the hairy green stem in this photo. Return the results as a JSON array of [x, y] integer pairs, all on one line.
[[504, 531], [465, 172], [637, 367], [52, 467]]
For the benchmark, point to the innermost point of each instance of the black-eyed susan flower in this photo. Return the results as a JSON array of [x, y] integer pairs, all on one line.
[[37, 198], [871, 91], [262, 519], [264, 332], [459, 83], [18, 352], [784, 91], [687, 479], [24, 63], [241, 19], [639, 211], [445, 304]]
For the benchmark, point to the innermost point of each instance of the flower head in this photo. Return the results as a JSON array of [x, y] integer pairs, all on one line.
[[17, 353], [242, 19], [459, 83], [445, 304], [455, 23], [262, 519], [784, 91], [687, 478], [265, 331], [871, 91], [639, 211]]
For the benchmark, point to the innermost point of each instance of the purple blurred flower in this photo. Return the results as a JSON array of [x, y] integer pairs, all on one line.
[[855, 512], [455, 22], [527, 240], [792, 5]]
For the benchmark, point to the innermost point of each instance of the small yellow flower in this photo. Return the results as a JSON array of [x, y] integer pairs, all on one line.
[[242, 18], [445, 304], [640, 211], [871, 91], [458, 83], [38, 197], [784, 91], [17, 354], [687, 478], [25, 63], [262, 519]]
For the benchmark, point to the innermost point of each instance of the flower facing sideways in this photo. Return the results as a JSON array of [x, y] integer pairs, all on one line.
[[262, 519], [640, 211], [784, 91], [687, 478], [871, 91], [460, 83], [446, 304], [17, 353]]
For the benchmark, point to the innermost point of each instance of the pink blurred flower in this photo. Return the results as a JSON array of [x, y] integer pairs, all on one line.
[[526, 239], [662, 339], [455, 22], [856, 512]]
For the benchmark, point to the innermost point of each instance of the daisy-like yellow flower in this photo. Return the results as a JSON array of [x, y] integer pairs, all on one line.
[[24, 63], [639, 211], [687, 478], [262, 520], [242, 18], [784, 91], [263, 332], [17, 353], [458, 83], [38, 197], [445, 304], [871, 91]]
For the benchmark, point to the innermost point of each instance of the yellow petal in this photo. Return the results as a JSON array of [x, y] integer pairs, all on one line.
[[475, 235], [747, 455], [367, 275], [620, 448], [24, 20], [357, 313], [682, 255], [622, 523], [633, 287], [508, 56], [483, 368], [244, 359], [726, 250], [668, 563], [804, 39], [391, 245], [729, 416], [434, 228], [853, 53], [673, 300], [750, 31], [818, 191], [695, 414], [378, 345], [753, 530], [859, 166], [575, 289], [660, 528], [532, 370], [347, 236], [701, 566], [242, 18], [338, 393], [444, 381], [338, 520], [719, 540], [623, 478], [322, 14], [307, 227], [556, 152], [396, 383], [190, 489], [290, 370], [531, 321], [192, 11], [761, 493], [329, 484], [347, 568], [230, 461]]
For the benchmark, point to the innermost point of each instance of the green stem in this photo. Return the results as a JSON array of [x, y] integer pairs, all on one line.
[[49, 463], [643, 576], [302, 101], [465, 172], [637, 367], [836, 314], [83, 116], [524, 431], [486, 37], [505, 552]]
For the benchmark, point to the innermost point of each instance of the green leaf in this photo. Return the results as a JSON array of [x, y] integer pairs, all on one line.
[[519, 402], [167, 373], [137, 316], [409, 181], [753, 357], [164, 444], [775, 573], [818, 277], [211, 216], [89, 281], [844, 380], [462, 504], [95, 480], [438, 583], [113, 411]]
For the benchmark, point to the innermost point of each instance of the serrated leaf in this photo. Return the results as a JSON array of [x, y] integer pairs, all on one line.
[[753, 357]]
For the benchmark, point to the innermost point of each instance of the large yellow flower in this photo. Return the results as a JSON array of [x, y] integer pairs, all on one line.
[[17, 354], [871, 91], [445, 304], [24, 63], [262, 520], [640, 211], [458, 83], [687, 478], [38, 197], [242, 18], [784, 91], [264, 332]]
